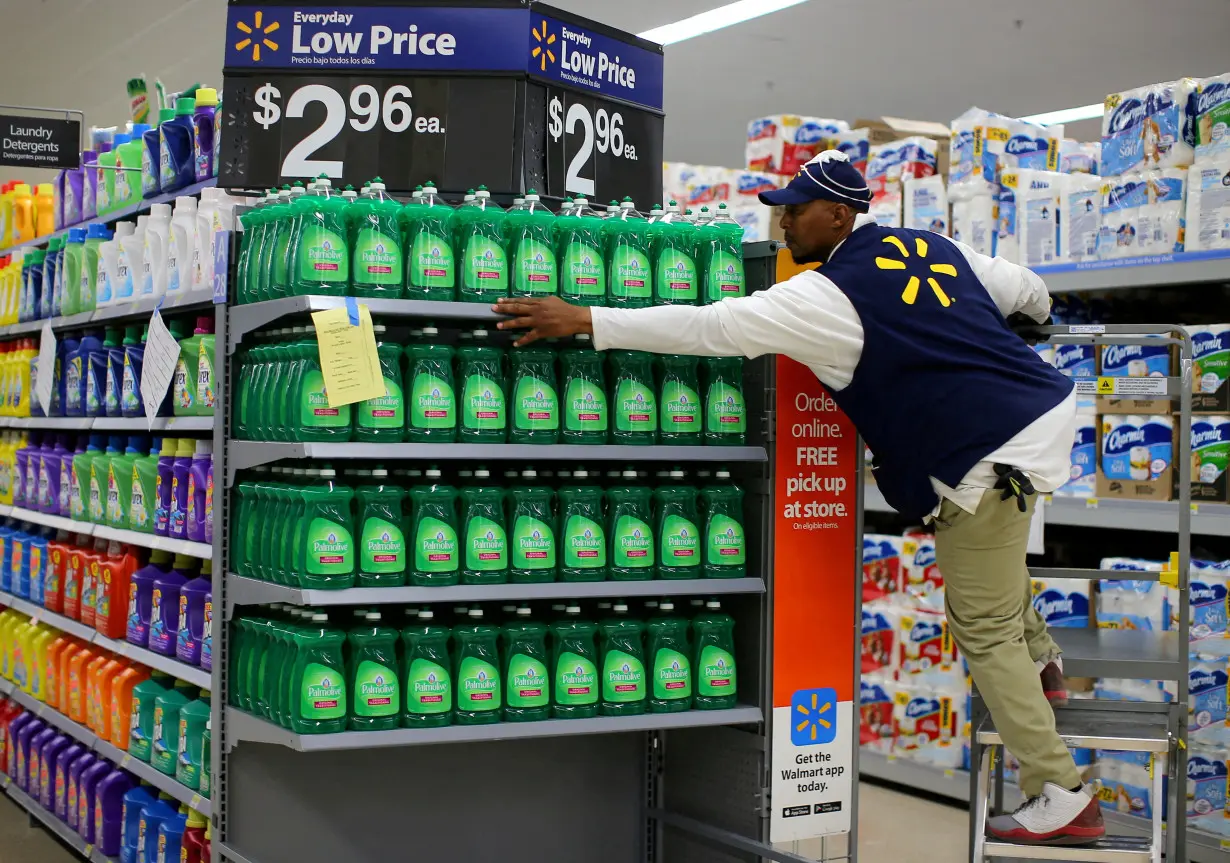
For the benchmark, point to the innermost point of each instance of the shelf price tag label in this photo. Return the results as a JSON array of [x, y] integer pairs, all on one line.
[[348, 358], [158, 368], [45, 373]]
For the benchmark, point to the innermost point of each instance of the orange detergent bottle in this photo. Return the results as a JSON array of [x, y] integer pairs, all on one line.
[[74, 573], [106, 687], [66, 657], [89, 580], [92, 668], [76, 682], [51, 677], [121, 703], [23, 214], [111, 604], [44, 209]]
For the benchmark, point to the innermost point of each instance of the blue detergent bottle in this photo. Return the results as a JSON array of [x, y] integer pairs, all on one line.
[[176, 167], [152, 818], [151, 156], [64, 350], [131, 403], [96, 374], [136, 801], [77, 372]]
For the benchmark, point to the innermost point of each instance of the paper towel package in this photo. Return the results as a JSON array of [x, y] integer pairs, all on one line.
[[1038, 199], [1149, 127], [783, 143], [1208, 205], [925, 204], [1119, 233], [1080, 218], [746, 186], [921, 577], [1007, 245], [676, 177], [1137, 457], [1213, 117], [1083, 473], [928, 651], [1210, 453], [856, 143], [882, 566], [973, 222], [891, 163], [707, 187], [1210, 367]]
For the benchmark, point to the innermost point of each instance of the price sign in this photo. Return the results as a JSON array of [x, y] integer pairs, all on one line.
[[601, 149]]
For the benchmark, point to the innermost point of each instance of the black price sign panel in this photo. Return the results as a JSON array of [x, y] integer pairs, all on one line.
[[35, 142], [281, 128], [602, 149]]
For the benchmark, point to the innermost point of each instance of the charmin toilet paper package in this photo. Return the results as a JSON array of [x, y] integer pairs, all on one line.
[[1079, 157], [1122, 199], [756, 220], [925, 204], [1083, 474], [928, 723], [856, 144], [783, 143], [1206, 789], [1149, 127], [1063, 602], [886, 209], [1206, 698], [881, 628], [1031, 147], [1213, 117], [921, 577], [1078, 361], [1124, 689], [1210, 367], [1038, 195], [1126, 783], [1131, 604], [1162, 217], [676, 177], [1207, 591], [875, 708], [1007, 245], [926, 649], [882, 577], [1210, 454], [1208, 205], [1135, 361], [746, 186], [890, 163], [973, 222], [1137, 457], [1080, 218], [977, 141]]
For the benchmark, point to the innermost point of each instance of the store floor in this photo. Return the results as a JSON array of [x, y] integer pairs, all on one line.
[[891, 825]]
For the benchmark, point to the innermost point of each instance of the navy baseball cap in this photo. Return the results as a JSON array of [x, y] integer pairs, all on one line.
[[829, 176]]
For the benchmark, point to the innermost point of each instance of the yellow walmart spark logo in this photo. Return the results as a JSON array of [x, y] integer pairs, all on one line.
[[256, 35], [808, 711], [910, 294], [542, 51]]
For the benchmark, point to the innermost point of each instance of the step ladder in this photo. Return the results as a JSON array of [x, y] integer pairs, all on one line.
[[1157, 728]]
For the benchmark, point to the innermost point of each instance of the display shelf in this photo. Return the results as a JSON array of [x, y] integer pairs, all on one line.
[[158, 779], [51, 423], [141, 308], [160, 543], [192, 674], [1208, 519], [68, 835], [133, 424], [56, 521], [1137, 654], [116, 215], [252, 316], [249, 591], [54, 717], [1147, 271], [245, 727]]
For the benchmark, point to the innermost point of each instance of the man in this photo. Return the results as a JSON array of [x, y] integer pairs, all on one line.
[[907, 330]]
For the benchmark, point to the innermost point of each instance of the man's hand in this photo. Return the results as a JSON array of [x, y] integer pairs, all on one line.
[[544, 317]]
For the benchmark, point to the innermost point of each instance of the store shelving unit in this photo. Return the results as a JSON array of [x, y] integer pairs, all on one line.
[[198, 298], [109, 424], [131, 537], [48, 819], [1151, 271]]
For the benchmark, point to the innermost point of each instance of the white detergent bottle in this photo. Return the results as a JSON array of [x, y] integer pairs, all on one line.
[[121, 273], [157, 239], [202, 244], [180, 245]]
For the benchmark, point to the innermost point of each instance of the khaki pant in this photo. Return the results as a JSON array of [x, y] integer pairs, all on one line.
[[992, 618]]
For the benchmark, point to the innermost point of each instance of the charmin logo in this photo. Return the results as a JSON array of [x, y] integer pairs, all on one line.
[[1204, 434], [925, 556], [1199, 767], [1205, 680], [1052, 604], [1022, 144], [873, 622], [923, 631], [1117, 355], [910, 294], [1128, 114], [1069, 355], [542, 51], [1211, 95], [256, 35], [920, 707], [759, 129], [1208, 343], [1124, 437]]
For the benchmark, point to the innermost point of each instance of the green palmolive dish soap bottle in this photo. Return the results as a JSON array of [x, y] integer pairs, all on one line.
[[725, 407], [484, 407], [633, 401], [574, 664], [535, 396], [725, 540], [717, 680], [327, 553], [581, 532], [676, 277], [321, 255], [484, 261], [527, 679], [317, 421], [384, 417], [376, 256], [679, 537], [721, 244], [432, 413], [319, 700], [382, 545], [629, 271], [531, 249], [533, 531], [429, 675], [680, 410], [375, 703], [586, 415], [275, 279], [429, 257], [437, 558], [486, 539], [631, 547], [623, 664], [671, 659], [579, 249], [479, 692]]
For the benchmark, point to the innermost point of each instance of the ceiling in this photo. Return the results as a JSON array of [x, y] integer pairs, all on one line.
[[928, 61]]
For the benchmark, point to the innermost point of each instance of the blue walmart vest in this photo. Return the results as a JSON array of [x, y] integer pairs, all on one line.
[[942, 381]]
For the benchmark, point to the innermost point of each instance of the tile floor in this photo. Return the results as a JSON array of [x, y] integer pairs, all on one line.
[[892, 828]]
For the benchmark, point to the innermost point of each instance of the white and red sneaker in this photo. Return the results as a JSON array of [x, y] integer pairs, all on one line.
[[1055, 817]]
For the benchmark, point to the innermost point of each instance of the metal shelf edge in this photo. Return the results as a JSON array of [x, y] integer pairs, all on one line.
[[56, 826], [198, 677], [160, 780]]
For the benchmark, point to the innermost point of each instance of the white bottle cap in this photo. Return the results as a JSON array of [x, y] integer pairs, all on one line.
[[372, 615], [620, 607], [320, 617], [430, 331], [160, 211], [666, 605], [629, 474], [722, 473], [327, 473], [677, 474], [524, 611], [572, 609], [426, 614], [529, 473], [712, 603], [475, 613], [432, 473], [379, 472], [481, 473]]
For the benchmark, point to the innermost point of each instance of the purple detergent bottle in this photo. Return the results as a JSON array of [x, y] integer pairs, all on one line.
[[86, 788], [109, 810], [9, 764], [60, 780], [141, 597], [207, 635], [180, 468], [49, 476], [200, 491], [203, 132], [164, 485], [34, 761], [47, 769], [192, 598], [27, 733], [164, 605], [83, 763]]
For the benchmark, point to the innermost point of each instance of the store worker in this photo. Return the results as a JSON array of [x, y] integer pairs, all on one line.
[[908, 332]]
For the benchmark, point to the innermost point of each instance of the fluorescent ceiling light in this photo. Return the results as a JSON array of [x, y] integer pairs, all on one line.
[[1067, 115], [715, 19]]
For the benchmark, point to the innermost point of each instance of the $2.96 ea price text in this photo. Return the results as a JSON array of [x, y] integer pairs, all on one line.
[[368, 107]]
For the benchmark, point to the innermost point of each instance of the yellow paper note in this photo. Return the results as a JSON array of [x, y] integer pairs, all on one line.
[[348, 355]]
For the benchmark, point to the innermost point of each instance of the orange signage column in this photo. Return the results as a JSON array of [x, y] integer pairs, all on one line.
[[815, 576]]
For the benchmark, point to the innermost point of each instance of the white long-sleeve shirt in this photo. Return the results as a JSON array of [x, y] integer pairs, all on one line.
[[809, 319]]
